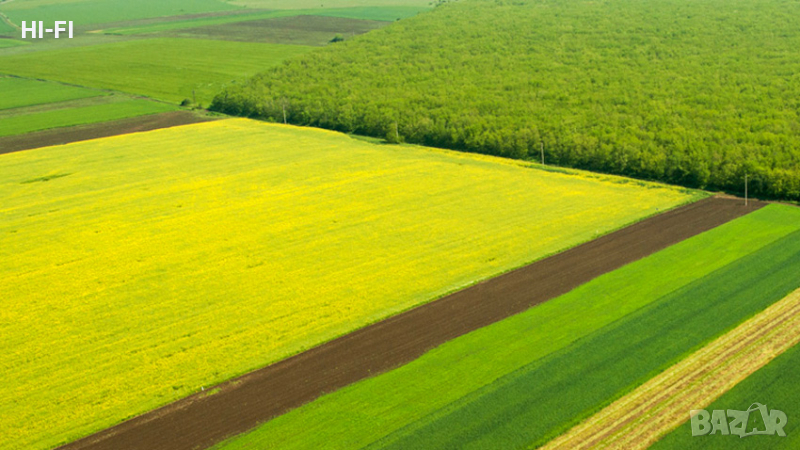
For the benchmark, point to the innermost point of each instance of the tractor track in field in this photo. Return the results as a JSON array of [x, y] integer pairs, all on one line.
[[8, 21], [202, 420], [640, 418], [67, 135]]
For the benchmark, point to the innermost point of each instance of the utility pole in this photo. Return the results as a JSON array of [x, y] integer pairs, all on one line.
[[542, 147], [745, 189]]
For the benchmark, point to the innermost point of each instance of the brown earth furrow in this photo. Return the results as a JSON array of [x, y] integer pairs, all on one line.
[[640, 418], [60, 136], [202, 420]]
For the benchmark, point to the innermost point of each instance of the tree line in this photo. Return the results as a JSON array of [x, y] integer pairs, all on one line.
[[698, 94]]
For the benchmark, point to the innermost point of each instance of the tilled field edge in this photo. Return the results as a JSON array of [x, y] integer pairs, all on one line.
[[67, 135], [202, 420], [640, 418]]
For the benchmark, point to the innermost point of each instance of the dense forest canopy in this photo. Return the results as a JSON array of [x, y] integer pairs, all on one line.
[[697, 93]]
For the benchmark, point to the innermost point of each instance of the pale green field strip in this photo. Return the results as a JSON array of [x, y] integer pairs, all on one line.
[[83, 12], [774, 385], [102, 98], [138, 268], [364, 413], [19, 92], [80, 115], [5, 43], [639, 419], [46, 45], [168, 69], [389, 13]]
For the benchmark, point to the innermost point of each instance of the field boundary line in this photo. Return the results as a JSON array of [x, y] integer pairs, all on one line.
[[640, 418], [98, 130], [5, 19]]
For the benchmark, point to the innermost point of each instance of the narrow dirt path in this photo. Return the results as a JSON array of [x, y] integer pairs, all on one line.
[[640, 418], [5, 19], [201, 421]]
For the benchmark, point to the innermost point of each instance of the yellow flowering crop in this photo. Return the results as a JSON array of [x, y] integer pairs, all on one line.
[[136, 269]]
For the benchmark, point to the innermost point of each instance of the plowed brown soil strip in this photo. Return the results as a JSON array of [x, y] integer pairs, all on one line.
[[200, 421], [59, 136], [640, 418]]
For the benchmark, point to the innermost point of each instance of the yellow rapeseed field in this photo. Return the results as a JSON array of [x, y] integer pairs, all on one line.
[[136, 269]]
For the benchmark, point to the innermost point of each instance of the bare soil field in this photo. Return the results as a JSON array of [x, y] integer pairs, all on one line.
[[238, 405], [640, 418], [60, 136], [295, 30]]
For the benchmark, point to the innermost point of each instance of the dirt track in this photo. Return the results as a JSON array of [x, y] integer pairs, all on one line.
[[59, 136], [639, 419], [200, 421]]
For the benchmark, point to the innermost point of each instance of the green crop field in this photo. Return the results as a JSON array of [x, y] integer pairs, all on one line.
[[528, 377], [5, 29], [80, 115], [168, 69], [19, 92], [181, 66], [118, 256], [5, 43], [774, 385], [102, 11], [691, 93]]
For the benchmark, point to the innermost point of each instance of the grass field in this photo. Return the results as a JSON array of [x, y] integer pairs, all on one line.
[[5, 29], [19, 92], [363, 414], [101, 11], [774, 385], [137, 269], [168, 69], [6, 43], [80, 115]]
